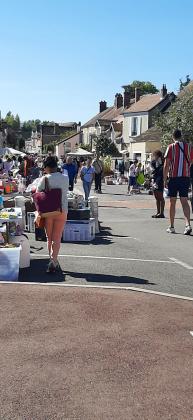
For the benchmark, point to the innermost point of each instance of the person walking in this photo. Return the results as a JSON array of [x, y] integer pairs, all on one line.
[[71, 169], [98, 167], [87, 174], [54, 225], [158, 183], [132, 176], [178, 159]]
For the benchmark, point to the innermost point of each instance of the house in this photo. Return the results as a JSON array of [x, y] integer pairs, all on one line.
[[34, 143], [68, 144], [108, 121], [145, 144], [139, 119], [51, 133]]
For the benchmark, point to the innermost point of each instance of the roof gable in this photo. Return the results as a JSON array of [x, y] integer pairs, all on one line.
[[109, 114]]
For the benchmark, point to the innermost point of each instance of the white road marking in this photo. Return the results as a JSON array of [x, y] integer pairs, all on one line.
[[183, 264], [118, 237], [105, 258], [191, 333], [90, 286]]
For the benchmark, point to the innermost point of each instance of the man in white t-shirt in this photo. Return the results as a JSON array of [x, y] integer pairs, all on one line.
[[132, 176]]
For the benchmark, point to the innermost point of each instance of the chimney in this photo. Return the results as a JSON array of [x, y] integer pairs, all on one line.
[[163, 91], [118, 100], [102, 106], [137, 94], [127, 97]]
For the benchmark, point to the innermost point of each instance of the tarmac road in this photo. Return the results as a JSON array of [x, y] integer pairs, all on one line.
[[131, 250]]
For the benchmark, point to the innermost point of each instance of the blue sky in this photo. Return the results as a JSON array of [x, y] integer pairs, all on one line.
[[59, 58]]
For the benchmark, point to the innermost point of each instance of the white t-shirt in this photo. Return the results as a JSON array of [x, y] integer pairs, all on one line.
[[132, 170], [56, 180]]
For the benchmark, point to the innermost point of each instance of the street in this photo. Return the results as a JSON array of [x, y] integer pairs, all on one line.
[[132, 249]]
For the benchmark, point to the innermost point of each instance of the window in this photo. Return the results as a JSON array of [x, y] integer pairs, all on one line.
[[134, 126]]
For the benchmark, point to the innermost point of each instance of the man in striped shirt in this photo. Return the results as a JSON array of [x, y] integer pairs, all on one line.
[[178, 159]]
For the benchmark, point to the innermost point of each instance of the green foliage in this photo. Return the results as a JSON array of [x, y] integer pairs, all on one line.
[[105, 147], [86, 147], [179, 115], [107, 161], [184, 84], [144, 87], [49, 148]]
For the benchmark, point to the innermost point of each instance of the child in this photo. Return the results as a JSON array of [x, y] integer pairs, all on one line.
[[1, 200]]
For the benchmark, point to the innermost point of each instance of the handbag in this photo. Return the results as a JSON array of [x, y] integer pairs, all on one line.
[[39, 221], [141, 178], [48, 202]]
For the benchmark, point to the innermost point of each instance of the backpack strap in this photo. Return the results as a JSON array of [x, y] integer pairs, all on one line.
[[184, 154]]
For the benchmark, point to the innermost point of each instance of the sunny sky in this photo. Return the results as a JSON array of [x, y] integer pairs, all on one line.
[[59, 58]]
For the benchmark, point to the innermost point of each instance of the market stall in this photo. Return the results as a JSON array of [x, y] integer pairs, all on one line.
[[14, 245]]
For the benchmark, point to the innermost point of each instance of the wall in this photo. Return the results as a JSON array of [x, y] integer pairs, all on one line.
[[86, 134], [71, 145], [137, 148], [143, 124]]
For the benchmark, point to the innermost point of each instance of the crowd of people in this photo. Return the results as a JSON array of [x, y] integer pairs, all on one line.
[[170, 173]]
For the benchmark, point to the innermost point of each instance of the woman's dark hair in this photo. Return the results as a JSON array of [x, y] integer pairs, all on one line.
[[158, 153], [177, 134], [50, 162]]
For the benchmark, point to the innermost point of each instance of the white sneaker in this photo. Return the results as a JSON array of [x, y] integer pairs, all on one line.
[[188, 230], [170, 230]]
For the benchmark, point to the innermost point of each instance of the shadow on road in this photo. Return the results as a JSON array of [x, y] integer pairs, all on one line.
[[107, 278], [37, 273]]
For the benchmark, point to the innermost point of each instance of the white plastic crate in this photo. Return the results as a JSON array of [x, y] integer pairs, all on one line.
[[9, 263], [30, 222], [79, 230]]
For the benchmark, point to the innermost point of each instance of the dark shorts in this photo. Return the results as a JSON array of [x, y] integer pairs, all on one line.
[[179, 185], [132, 181]]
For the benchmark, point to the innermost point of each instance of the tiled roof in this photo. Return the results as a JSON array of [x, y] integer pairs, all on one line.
[[146, 103], [109, 114], [70, 137], [151, 135], [118, 127]]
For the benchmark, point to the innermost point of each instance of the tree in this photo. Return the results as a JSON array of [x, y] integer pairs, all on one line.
[[86, 147], [179, 115], [184, 84], [49, 148], [144, 87], [105, 147], [9, 119]]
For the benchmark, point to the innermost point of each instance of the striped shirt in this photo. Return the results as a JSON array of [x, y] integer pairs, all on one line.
[[179, 164]]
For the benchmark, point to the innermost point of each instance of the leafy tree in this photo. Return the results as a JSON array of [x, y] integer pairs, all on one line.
[[9, 119], [86, 147], [179, 115], [105, 147], [144, 87], [49, 148], [184, 84]]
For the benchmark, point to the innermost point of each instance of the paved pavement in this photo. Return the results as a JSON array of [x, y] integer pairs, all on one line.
[[73, 353], [90, 352]]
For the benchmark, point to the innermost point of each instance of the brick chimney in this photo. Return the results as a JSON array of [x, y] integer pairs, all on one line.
[[137, 94], [118, 100], [127, 97], [102, 106], [163, 91]]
